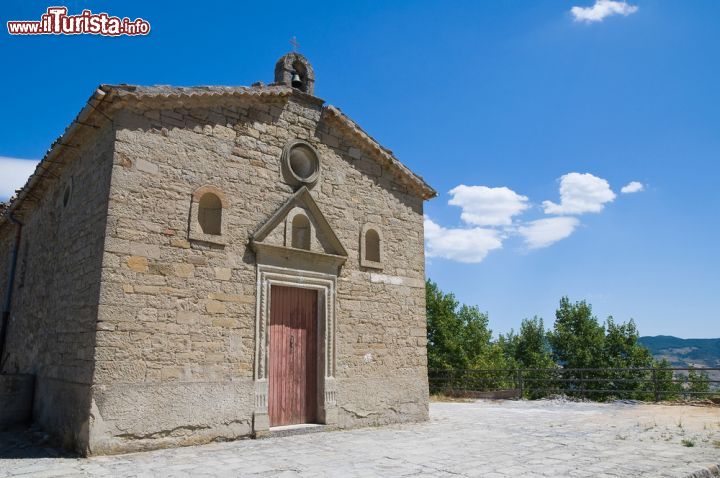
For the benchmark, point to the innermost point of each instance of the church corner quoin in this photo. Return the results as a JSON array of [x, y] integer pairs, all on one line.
[[207, 263]]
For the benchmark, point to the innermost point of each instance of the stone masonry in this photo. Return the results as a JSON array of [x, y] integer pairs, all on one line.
[[142, 336]]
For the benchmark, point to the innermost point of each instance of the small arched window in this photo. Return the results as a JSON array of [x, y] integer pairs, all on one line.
[[371, 247], [210, 214], [206, 215], [301, 232]]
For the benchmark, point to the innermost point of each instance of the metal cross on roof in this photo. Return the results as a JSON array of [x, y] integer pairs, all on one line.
[[295, 44]]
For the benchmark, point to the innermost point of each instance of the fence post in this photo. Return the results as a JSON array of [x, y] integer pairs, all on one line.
[[520, 382], [656, 387]]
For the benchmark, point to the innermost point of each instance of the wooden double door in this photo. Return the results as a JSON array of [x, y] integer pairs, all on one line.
[[293, 357]]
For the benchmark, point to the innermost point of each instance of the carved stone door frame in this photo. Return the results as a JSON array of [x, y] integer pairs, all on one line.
[[326, 286]]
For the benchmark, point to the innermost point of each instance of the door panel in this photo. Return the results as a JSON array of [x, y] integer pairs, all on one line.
[[293, 356]]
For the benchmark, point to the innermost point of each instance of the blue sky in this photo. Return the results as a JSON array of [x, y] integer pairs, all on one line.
[[503, 103]]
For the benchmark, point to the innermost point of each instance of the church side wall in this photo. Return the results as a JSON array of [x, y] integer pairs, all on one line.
[[51, 332], [175, 342]]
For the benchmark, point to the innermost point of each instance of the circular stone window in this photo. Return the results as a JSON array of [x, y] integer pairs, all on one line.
[[301, 162]]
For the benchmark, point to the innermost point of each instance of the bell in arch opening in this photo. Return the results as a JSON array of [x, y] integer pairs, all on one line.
[[294, 70]]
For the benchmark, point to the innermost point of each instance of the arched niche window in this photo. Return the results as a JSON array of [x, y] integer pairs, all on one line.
[[301, 232], [298, 230], [210, 214], [206, 215], [371, 247]]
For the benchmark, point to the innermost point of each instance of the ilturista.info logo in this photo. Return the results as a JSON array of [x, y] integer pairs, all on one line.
[[56, 21]]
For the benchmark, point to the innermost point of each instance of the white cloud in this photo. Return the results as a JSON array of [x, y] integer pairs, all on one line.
[[544, 232], [580, 193], [602, 9], [14, 173], [469, 245], [632, 187], [489, 215], [484, 206]]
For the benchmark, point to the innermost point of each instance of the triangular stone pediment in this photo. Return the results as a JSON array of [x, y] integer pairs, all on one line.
[[299, 225]]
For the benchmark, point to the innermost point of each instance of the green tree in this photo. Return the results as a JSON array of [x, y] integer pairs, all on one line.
[[530, 349], [622, 350], [444, 330], [577, 343], [577, 338], [508, 345], [622, 347], [462, 354], [475, 334], [698, 382], [664, 385], [458, 335], [459, 340]]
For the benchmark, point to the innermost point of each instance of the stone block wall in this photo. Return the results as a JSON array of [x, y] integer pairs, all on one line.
[[175, 334], [51, 332]]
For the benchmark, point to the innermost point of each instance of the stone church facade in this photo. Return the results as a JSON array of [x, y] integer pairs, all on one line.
[[211, 263]]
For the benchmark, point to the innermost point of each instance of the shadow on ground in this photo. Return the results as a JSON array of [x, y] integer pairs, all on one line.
[[30, 443]]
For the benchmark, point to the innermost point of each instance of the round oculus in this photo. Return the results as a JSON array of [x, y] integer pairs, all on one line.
[[302, 162]]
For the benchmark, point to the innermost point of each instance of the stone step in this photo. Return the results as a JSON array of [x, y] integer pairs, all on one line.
[[300, 429]]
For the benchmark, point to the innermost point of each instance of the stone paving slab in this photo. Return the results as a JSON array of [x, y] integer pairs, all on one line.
[[482, 438]]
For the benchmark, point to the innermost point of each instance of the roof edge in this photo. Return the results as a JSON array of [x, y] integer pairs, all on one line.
[[104, 93], [91, 106], [426, 191]]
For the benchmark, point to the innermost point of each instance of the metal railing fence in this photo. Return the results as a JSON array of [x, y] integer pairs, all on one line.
[[647, 384]]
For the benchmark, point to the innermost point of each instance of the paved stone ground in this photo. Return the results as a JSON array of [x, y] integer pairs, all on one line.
[[483, 438]]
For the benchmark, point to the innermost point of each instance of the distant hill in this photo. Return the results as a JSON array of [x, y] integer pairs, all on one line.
[[684, 352]]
